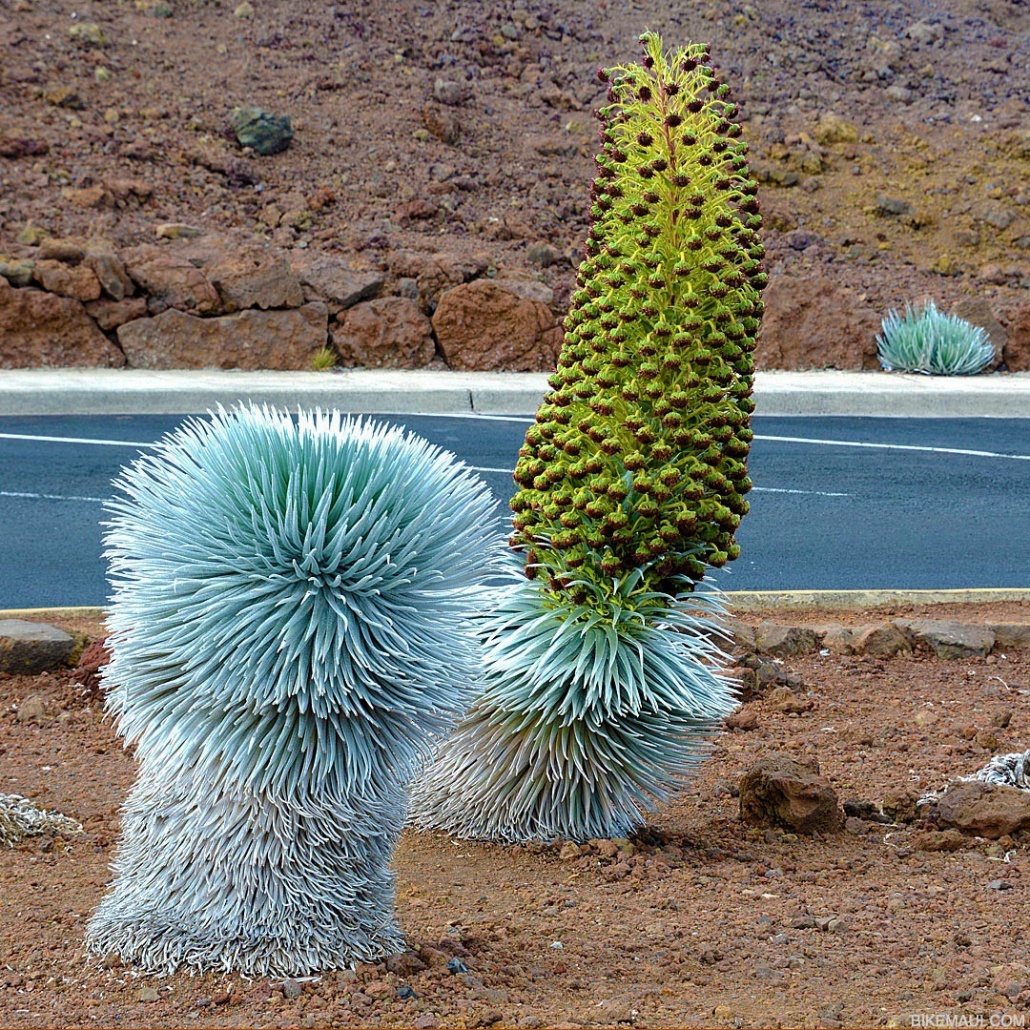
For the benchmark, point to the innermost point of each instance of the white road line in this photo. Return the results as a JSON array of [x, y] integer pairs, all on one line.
[[74, 439], [893, 447], [49, 497], [780, 490]]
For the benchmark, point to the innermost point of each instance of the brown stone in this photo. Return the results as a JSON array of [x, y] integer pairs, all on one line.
[[39, 329], [439, 272], [248, 339], [780, 791], [838, 639], [783, 699], [66, 97], [110, 271], [171, 280], [22, 146], [390, 332], [109, 314], [443, 124], [776, 639], [90, 197], [984, 809], [211, 275], [75, 281], [123, 189], [1016, 354], [742, 719], [811, 322], [978, 311], [324, 277], [948, 639], [253, 278], [70, 252], [485, 325], [880, 640]]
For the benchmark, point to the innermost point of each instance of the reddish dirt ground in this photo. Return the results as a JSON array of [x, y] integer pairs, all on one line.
[[929, 199], [698, 921]]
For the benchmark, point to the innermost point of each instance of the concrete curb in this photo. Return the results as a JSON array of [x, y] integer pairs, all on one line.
[[741, 601], [186, 392]]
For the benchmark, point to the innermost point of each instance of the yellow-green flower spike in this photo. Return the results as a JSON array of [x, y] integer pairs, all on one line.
[[638, 455]]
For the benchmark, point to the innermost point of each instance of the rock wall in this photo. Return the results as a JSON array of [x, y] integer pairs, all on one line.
[[201, 300]]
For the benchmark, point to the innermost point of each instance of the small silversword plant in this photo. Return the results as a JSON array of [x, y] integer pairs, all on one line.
[[927, 340], [288, 635], [600, 684]]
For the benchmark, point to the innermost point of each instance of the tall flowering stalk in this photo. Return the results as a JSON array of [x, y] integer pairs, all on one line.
[[289, 632], [600, 684]]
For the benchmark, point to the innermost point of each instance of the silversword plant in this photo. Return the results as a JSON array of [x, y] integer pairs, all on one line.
[[601, 683], [288, 633], [928, 341]]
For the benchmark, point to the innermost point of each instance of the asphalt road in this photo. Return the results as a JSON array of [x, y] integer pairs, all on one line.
[[839, 503]]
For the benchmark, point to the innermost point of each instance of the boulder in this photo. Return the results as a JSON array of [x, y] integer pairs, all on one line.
[[438, 272], [254, 278], [1016, 352], [248, 339], [70, 251], [811, 322], [39, 329], [110, 271], [324, 277], [76, 281], [390, 332], [978, 311], [492, 326], [984, 809], [29, 648], [948, 639], [776, 639], [171, 280], [213, 275], [880, 640], [780, 791], [1011, 634], [109, 314]]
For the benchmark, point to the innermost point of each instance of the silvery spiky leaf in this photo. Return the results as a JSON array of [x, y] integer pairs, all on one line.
[[20, 818], [288, 635], [590, 714], [931, 342]]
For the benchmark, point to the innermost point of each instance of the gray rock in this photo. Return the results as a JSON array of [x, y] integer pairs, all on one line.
[[292, 989], [925, 34], [776, 639], [450, 93], [1010, 634], [542, 254], [900, 94], [17, 273], [891, 206], [32, 710], [28, 648], [948, 639], [263, 132]]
